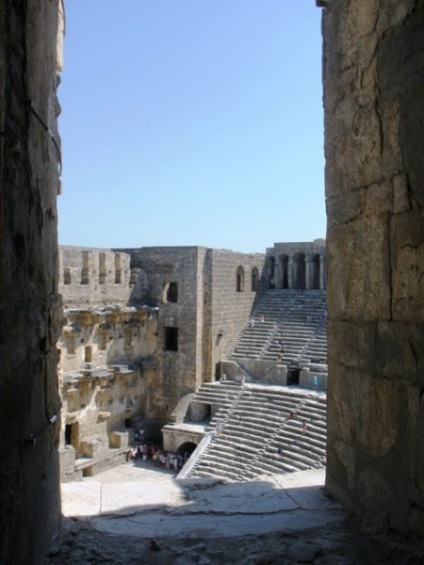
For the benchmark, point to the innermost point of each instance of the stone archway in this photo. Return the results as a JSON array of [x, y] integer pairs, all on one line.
[[187, 448], [299, 271], [315, 274], [284, 270]]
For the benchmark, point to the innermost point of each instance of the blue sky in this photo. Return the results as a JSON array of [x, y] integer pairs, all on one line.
[[187, 122]]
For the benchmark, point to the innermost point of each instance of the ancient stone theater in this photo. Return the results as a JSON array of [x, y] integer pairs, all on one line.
[[142, 330], [160, 339]]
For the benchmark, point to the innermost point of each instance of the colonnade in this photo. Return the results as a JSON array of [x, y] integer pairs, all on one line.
[[298, 271]]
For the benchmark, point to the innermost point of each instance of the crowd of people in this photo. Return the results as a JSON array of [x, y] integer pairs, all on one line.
[[159, 457]]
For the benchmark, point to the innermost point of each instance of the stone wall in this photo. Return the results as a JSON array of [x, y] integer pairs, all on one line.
[[97, 403], [108, 366], [95, 276], [175, 284], [108, 336], [374, 123], [231, 299], [30, 308]]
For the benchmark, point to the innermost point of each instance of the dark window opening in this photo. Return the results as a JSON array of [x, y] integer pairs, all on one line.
[[88, 354], [315, 272], [240, 280], [172, 292], [72, 434], [67, 276], [299, 271], [68, 434], [293, 377], [284, 262], [171, 339]]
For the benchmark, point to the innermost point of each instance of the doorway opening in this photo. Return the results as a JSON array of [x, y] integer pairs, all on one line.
[[72, 435], [293, 377]]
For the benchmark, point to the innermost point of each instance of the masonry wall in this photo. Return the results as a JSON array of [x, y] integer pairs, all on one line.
[[181, 368], [108, 355], [96, 405], [186, 307], [94, 276], [30, 308], [108, 336], [230, 306], [374, 123]]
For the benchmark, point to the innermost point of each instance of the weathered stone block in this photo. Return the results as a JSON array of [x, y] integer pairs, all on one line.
[[94, 448], [357, 290], [399, 352], [120, 439], [408, 269]]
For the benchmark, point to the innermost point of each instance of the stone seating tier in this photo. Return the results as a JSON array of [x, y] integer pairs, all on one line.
[[293, 320], [256, 435]]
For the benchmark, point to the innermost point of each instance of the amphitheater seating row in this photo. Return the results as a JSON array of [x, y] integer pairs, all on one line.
[[287, 327], [261, 429]]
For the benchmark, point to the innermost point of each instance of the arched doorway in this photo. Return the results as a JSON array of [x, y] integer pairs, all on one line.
[[187, 448], [284, 267], [299, 271], [271, 272], [315, 275]]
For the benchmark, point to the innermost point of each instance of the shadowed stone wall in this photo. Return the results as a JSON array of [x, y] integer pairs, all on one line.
[[374, 124], [30, 308]]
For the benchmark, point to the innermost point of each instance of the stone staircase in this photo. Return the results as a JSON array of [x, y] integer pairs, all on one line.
[[222, 396], [254, 433], [314, 355], [289, 327]]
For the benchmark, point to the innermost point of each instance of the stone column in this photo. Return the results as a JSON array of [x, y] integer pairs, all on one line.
[[290, 272], [308, 272], [278, 279]]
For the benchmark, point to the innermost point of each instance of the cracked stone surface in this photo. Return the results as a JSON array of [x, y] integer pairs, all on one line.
[[135, 513]]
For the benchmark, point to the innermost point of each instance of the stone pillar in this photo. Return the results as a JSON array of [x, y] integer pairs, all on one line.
[[30, 308], [308, 272], [290, 272], [374, 143], [278, 277]]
